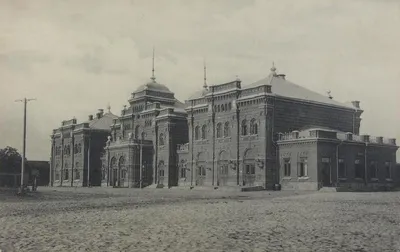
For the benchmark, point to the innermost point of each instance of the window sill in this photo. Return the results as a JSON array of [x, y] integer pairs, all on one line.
[[343, 179], [374, 179], [286, 178], [389, 180], [303, 178]]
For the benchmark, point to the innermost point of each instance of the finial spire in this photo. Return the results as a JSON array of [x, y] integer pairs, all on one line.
[[273, 68], [205, 75], [153, 77], [109, 108]]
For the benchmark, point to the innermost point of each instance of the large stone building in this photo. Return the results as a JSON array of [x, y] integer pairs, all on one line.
[[226, 135]]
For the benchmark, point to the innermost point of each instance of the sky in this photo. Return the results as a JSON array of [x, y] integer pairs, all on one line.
[[76, 57]]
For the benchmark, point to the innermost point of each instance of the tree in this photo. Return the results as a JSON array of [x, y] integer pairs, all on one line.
[[10, 160]]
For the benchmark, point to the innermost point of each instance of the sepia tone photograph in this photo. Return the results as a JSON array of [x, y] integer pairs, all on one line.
[[208, 125]]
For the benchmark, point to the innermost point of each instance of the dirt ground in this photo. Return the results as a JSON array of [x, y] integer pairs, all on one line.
[[90, 219]]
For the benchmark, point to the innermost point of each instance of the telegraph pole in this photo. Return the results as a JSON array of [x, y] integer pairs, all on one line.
[[25, 101]]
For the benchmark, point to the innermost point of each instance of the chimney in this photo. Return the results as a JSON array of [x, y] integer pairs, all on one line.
[[365, 138], [349, 136], [100, 113], [379, 140], [356, 104], [295, 134], [269, 89], [90, 117], [392, 141]]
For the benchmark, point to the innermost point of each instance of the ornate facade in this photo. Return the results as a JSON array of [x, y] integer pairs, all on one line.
[[232, 135]]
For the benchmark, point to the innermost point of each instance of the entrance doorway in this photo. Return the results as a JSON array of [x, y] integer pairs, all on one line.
[[326, 174]]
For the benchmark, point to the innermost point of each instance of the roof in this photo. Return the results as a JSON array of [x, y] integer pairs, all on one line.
[[154, 86], [104, 122], [282, 87], [198, 94]]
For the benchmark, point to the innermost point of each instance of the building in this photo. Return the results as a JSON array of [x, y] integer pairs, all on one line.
[[76, 150], [228, 135]]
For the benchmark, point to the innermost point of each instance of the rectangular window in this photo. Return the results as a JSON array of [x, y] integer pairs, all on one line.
[[358, 169], [342, 169], [373, 171], [183, 172], [250, 169], [303, 168], [286, 168], [388, 170]]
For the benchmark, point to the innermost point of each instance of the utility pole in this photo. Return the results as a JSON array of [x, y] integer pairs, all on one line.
[[25, 101]]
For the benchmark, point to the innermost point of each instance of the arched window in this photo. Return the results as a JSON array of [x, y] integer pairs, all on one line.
[[79, 148], [137, 132], [219, 130], [143, 135], [226, 130], [253, 127], [222, 108], [226, 107], [204, 132], [244, 127], [196, 132], [161, 140]]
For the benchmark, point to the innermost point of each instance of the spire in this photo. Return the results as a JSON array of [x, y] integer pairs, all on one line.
[[153, 77], [273, 68], [205, 75], [109, 108]]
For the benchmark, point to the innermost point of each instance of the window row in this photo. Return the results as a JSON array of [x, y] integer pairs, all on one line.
[[76, 174], [253, 127], [67, 149], [359, 169], [222, 107], [302, 168]]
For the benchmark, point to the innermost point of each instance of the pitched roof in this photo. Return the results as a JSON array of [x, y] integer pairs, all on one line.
[[282, 87], [104, 122]]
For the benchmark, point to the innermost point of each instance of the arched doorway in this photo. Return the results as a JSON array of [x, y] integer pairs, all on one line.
[[122, 171], [223, 168], [249, 168], [201, 169]]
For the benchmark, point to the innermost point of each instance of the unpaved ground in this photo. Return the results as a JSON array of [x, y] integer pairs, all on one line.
[[201, 221]]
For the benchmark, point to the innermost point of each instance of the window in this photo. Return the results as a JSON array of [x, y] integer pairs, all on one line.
[[137, 132], [57, 176], [201, 171], [196, 133], [204, 132], [388, 170], [183, 172], [250, 169], [161, 140], [75, 148], [303, 168], [358, 169], [226, 130], [161, 173], [123, 174], [342, 169], [79, 148], [66, 174], [253, 127], [224, 169], [286, 168], [219, 130], [244, 128], [373, 172], [77, 174], [143, 135]]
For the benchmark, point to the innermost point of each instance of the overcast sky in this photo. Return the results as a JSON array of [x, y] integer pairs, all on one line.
[[77, 56]]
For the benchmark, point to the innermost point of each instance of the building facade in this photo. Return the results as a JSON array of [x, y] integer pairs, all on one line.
[[234, 135]]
